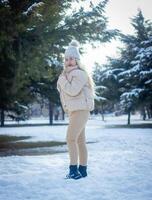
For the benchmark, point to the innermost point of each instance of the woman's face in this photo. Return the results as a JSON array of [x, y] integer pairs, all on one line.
[[70, 61]]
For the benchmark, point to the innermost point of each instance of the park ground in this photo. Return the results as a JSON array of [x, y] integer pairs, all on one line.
[[34, 161]]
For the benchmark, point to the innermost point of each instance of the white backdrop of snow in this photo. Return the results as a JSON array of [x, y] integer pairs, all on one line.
[[119, 165]]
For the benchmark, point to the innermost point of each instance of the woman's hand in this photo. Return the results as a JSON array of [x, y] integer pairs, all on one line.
[[64, 74]]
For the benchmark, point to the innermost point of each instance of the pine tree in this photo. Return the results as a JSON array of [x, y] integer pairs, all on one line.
[[138, 75], [35, 32], [128, 78], [107, 85]]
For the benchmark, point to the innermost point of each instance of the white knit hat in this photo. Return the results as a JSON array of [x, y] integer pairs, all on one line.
[[72, 50]]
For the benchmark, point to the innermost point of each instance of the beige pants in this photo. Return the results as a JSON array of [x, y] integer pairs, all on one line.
[[76, 140]]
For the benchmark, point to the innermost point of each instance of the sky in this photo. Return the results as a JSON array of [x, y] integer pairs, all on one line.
[[119, 13]]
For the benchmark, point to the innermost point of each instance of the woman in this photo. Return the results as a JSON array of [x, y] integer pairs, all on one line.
[[76, 88]]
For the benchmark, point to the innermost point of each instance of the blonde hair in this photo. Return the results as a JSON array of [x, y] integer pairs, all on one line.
[[90, 79]]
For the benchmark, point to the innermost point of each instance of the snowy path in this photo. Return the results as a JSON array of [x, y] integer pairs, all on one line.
[[119, 167]]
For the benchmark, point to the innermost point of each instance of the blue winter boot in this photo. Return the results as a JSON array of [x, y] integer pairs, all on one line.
[[83, 170], [74, 173]]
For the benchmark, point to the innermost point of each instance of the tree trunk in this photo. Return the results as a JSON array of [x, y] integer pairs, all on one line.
[[143, 113], [129, 114], [50, 112], [56, 114], [102, 114], [148, 111], [150, 107], [63, 116], [2, 118]]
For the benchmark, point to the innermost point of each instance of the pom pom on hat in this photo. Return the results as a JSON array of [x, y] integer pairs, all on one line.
[[74, 43], [72, 50]]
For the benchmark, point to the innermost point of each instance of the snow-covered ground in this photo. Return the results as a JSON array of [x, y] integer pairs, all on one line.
[[119, 165], [108, 118]]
